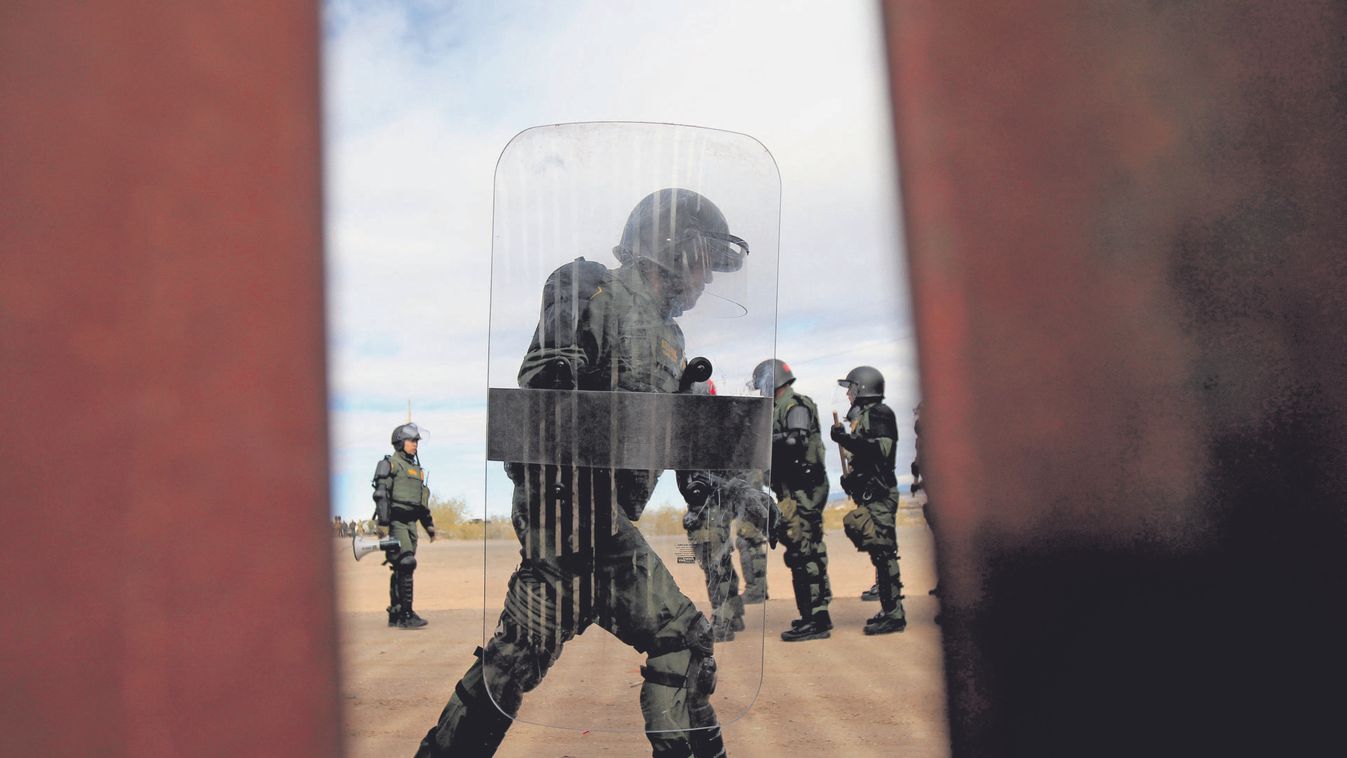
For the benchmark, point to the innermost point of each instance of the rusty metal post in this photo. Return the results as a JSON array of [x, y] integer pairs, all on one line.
[[167, 573], [1128, 247]]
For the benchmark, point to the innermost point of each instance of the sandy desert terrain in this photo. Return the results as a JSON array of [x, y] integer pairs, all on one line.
[[850, 695]]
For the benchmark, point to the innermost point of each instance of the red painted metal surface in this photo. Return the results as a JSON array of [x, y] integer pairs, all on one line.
[[168, 589], [1126, 236]]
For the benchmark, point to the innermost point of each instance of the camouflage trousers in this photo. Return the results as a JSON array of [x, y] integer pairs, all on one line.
[[624, 588], [712, 547], [806, 554], [752, 546], [872, 528]]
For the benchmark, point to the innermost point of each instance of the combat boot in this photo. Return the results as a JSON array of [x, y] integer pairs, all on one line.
[[885, 625], [890, 617], [394, 614], [410, 620], [817, 628], [871, 594], [723, 632]]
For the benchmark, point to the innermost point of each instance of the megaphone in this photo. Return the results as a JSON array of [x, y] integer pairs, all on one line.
[[364, 544]]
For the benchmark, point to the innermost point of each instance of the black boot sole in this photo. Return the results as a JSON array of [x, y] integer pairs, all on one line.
[[872, 631], [805, 638]]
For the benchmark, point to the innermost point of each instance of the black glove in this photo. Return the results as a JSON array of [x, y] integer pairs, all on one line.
[[692, 521], [838, 433], [556, 375], [851, 484]]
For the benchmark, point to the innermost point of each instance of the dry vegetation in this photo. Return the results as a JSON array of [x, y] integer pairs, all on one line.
[[451, 519]]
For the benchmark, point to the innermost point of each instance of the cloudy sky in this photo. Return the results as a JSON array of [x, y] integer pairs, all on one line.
[[422, 97]]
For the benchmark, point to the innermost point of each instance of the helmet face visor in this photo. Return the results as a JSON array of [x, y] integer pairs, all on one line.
[[770, 376], [724, 252], [762, 382], [406, 432], [689, 266]]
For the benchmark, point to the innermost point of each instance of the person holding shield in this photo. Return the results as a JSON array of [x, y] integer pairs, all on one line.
[[611, 331]]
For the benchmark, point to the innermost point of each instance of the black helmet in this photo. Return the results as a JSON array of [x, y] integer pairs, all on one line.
[[771, 375], [404, 433], [866, 380], [677, 229]]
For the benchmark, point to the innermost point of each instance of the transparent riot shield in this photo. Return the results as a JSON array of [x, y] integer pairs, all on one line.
[[633, 267]]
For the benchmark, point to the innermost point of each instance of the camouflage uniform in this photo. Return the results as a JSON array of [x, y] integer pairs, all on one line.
[[871, 526], [751, 543], [800, 483], [715, 501], [615, 336], [750, 540]]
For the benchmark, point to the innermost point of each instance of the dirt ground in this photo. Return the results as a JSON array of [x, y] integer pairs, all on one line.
[[849, 695]]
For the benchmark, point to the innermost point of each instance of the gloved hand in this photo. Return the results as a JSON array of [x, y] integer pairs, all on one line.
[[557, 375], [692, 521], [430, 530]]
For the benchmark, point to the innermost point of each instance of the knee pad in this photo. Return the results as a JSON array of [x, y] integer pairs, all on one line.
[[406, 562], [687, 663]]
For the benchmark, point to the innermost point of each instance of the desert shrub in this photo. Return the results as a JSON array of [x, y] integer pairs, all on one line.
[[448, 512], [495, 528], [662, 519], [452, 521]]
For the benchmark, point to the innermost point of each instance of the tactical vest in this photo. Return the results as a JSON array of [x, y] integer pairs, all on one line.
[[877, 470], [409, 489]]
